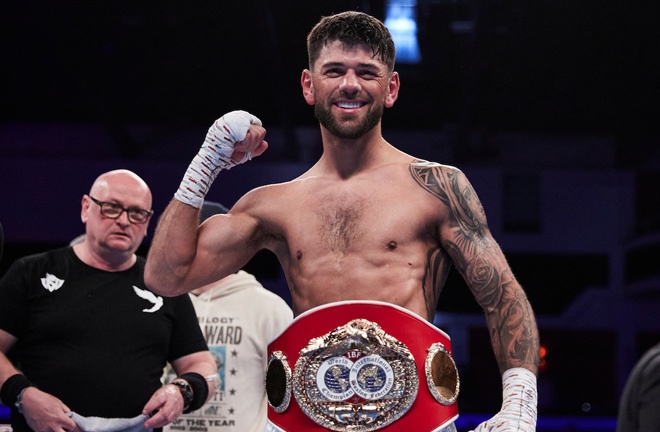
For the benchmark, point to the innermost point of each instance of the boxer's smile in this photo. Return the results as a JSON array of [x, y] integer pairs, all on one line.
[[350, 104]]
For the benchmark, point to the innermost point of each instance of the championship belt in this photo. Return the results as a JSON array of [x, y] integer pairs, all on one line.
[[361, 366]]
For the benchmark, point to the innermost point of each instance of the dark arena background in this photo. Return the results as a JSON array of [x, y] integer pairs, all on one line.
[[549, 107]]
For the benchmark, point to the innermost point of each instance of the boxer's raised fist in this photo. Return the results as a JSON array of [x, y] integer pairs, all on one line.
[[232, 140]]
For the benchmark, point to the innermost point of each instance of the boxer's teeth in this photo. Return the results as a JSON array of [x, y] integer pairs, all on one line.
[[349, 104]]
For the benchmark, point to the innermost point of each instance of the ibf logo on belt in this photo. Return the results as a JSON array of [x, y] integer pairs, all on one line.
[[354, 374]]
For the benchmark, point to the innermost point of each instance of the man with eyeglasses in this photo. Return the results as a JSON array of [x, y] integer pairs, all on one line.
[[87, 339]]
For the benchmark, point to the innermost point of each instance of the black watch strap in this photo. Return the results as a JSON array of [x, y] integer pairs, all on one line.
[[186, 392]]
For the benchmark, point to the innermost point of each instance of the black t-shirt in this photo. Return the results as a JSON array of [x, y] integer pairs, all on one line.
[[97, 340]]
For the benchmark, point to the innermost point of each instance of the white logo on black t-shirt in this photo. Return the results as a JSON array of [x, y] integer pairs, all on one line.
[[51, 282], [151, 297]]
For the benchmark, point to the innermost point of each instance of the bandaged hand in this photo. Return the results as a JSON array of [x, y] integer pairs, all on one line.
[[215, 155], [519, 396]]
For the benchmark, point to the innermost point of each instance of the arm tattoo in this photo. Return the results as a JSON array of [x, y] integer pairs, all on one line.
[[435, 275], [467, 214], [480, 261], [515, 335]]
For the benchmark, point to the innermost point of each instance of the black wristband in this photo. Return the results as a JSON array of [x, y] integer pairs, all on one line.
[[200, 390], [12, 387]]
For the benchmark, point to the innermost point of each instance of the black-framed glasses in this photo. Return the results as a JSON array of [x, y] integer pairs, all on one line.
[[113, 211]]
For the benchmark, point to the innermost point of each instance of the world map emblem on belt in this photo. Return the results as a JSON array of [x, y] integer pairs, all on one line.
[[356, 377]]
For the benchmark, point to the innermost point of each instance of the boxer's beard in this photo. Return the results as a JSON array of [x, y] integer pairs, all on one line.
[[328, 121]]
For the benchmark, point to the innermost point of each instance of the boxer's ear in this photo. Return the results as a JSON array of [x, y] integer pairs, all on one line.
[[393, 90], [307, 87]]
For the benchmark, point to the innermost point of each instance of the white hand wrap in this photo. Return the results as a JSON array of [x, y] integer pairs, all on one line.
[[519, 397], [214, 156]]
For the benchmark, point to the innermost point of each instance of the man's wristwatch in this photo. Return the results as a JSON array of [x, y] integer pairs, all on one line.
[[19, 401], [186, 392]]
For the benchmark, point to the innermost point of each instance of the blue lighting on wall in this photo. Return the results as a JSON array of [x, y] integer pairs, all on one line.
[[401, 20]]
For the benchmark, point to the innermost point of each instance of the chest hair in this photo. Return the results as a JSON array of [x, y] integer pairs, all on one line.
[[340, 219]]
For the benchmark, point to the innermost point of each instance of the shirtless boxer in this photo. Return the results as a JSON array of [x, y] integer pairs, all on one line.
[[366, 222]]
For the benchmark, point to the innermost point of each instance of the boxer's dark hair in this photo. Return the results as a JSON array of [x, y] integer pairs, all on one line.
[[352, 28]]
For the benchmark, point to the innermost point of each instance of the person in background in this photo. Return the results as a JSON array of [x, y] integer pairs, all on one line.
[[238, 317], [89, 341], [366, 223], [639, 407]]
